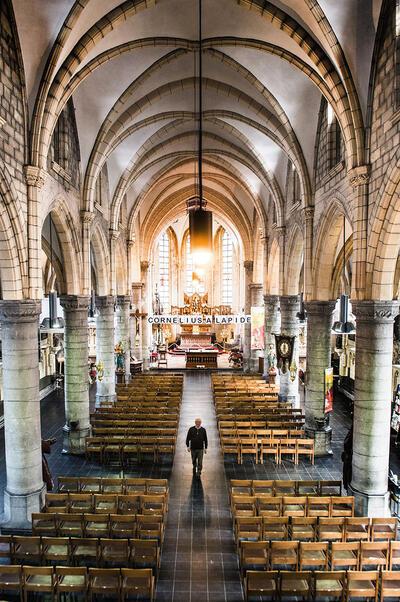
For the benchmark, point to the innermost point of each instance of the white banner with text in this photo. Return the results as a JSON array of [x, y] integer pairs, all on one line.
[[199, 319]]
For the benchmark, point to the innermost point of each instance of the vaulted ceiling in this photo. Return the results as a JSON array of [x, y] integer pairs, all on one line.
[[130, 69]]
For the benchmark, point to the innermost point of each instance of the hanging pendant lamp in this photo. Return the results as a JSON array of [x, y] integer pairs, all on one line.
[[200, 220], [343, 325]]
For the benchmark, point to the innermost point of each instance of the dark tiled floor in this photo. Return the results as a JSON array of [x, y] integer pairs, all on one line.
[[199, 563]]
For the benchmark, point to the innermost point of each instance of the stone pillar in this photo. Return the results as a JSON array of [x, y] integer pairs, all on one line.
[[308, 213], [105, 348], [359, 179], [35, 178], [372, 407], [272, 326], [87, 218], [290, 305], [122, 328], [146, 330], [114, 236], [137, 307], [76, 380], [319, 333], [25, 489], [256, 301], [248, 278]]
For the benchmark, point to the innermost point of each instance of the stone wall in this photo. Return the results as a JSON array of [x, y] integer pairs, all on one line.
[[64, 156]]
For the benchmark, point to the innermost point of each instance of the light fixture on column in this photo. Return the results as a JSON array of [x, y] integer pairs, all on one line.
[[53, 321], [301, 314], [200, 220], [343, 325]]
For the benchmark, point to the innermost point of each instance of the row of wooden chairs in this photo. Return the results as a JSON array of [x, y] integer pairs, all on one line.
[[127, 485], [339, 529], [284, 487], [73, 551], [109, 419], [125, 526], [292, 505], [58, 581], [106, 503], [322, 585], [271, 447], [258, 423], [132, 431], [310, 555], [125, 449]]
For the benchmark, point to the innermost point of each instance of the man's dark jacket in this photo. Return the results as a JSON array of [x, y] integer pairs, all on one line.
[[197, 438]]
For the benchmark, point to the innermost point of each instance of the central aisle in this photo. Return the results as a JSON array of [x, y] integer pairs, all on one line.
[[199, 561]]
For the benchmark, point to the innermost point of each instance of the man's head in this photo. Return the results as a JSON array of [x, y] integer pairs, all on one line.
[[197, 422]]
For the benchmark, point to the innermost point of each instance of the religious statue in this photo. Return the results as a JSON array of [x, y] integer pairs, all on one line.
[[119, 356], [271, 357]]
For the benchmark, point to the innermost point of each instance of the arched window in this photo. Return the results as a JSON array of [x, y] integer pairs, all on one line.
[[163, 271], [227, 269]]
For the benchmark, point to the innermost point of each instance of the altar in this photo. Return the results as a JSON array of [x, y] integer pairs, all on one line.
[[202, 359], [192, 339]]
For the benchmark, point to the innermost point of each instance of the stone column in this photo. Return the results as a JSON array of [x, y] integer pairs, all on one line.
[[25, 489], [256, 301], [290, 305], [122, 328], [248, 278], [359, 179], [272, 326], [87, 218], [319, 333], [114, 236], [146, 330], [308, 213], [137, 307], [76, 380], [35, 178], [105, 348], [372, 407]]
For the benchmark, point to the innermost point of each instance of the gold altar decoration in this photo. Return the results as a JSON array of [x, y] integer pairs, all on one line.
[[198, 304]]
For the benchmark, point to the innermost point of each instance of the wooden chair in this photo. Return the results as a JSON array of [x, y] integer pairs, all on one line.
[[330, 487], [70, 525], [283, 553], [105, 503], [331, 529], [94, 449], [114, 552], [122, 526], [303, 529], [130, 451], [390, 585], [342, 506], [11, 579], [384, 529], [394, 556], [362, 584], [248, 528], [374, 554], [80, 503], [150, 526], [243, 505], [129, 504], [253, 555], [145, 553], [39, 580], [248, 447], [96, 525], [44, 524], [71, 580], [319, 506], [90, 484], [294, 506], [135, 486], [26, 549], [261, 583], [112, 485], [295, 583], [288, 447], [313, 555], [85, 550], [152, 504], [308, 488], [6, 547], [137, 582], [56, 549], [157, 487], [345, 555], [262, 487], [241, 487], [269, 505], [357, 529], [68, 484], [231, 447], [269, 448], [106, 582], [305, 447], [285, 487], [276, 528], [330, 584], [58, 502]]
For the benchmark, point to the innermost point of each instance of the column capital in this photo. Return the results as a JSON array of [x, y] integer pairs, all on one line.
[[35, 176], [271, 299], [289, 300], [20, 311], [130, 243], [114, 234], [321, 308], [375, 311], [137, 285], [87, 217], [105, 301], [255, 286], [75, 302], [123, 300], [280, 230], [248, 265], [359, 175], [144, 265], [308, 213]]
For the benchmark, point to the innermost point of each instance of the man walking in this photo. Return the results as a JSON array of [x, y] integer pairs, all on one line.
[[196, 443]]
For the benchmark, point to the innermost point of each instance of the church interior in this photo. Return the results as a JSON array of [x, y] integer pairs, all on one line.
[[199, 300]]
